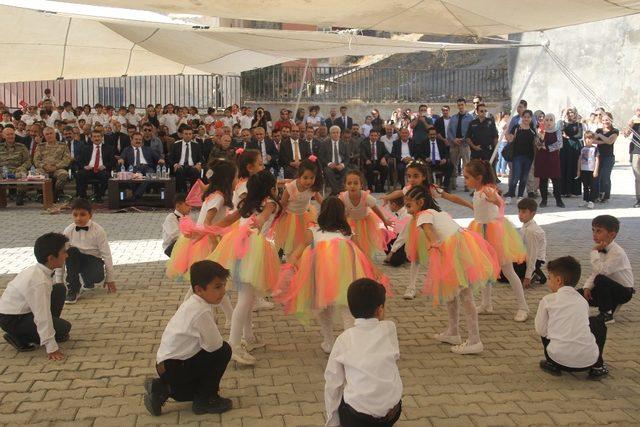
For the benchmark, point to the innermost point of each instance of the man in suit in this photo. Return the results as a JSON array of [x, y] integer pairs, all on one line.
[[406, 150], [438, 157], [374, 158], [149, 139], [334, 158], [117, 139], [332, 119], [311, 142], [267, 148], [442, 123], [292, 152], [142, 159], [96, 163], [344, 121], [353, 147], [186, 160], [72, 140]]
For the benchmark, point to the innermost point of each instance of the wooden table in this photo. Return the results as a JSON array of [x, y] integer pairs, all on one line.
[[45, 185], [166, 197]]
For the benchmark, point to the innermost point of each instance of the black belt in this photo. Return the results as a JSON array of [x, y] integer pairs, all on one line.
[[393, 412]]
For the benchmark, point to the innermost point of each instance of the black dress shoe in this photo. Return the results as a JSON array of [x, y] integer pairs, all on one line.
[[19, 346], [157, 395], [543, 204], [560, 203], [217, 405], [596, 373], [550, 368]]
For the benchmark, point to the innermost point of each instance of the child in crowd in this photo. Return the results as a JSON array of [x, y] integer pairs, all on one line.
[[328, 261], [192, 356], [460, 261], [89, 254], [362, 381], [396, 255], [290, 228], [611, 281], [31, 305], [360, 208], [252, 260], [535, 242], [489, 222], [171, 224], [572, 340], [589, 161]]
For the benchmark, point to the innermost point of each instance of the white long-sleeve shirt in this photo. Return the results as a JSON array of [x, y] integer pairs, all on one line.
[[92, 242], [191, 329], [362, 370], [30, 292], [614, 264], [402, 217], [535, 240], [563, 318], [171, 229]]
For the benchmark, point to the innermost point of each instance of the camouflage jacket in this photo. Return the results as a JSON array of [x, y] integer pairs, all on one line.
[[15, 157], [52, 154]]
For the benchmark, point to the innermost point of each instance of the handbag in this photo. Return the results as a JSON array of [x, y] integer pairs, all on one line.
[[507, 152]]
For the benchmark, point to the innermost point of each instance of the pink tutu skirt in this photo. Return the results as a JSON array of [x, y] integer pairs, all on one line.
[[368, 235], [504, 239]]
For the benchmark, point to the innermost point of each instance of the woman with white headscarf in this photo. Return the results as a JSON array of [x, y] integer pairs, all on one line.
[[547, 160]]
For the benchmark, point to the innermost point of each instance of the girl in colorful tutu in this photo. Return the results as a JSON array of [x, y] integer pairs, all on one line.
[[489, 221], [327, 262], [289, 229], [251, 259], [460, 262], [249, 163], [419, 174], [364, 216]]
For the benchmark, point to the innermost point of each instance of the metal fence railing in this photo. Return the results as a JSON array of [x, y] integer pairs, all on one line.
[[282, 83], [201, 91]]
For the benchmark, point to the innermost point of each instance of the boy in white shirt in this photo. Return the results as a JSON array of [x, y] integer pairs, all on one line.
[[572, 340], [535, 241], [362, 381], [31, 305], [132, 117], [89, 255], [193, 356], [171, 224], [611, 281], [396, 255]]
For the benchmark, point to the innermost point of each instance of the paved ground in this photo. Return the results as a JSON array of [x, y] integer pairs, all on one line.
[[114, 339]]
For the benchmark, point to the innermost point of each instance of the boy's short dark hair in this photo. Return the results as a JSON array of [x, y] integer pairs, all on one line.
[[608, 222], [82, 204], [364, 297], [528, 204], [566, 267], [180, 198], [203, 272], [398, 201], [49, 244]]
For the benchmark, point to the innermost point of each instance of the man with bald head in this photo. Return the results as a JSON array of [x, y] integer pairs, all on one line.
[[334, 158], [266, 146], [53, 159], [15, 157]]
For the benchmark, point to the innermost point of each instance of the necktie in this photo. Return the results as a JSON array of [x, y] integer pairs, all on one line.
[[187, 154], [373, 151], [335, 152], [82, 228], [118, 144], [296, 152], [602, 251], [177, 216], [459, 128], [34, 145], [96, 162], [137, 161], [433, 152]]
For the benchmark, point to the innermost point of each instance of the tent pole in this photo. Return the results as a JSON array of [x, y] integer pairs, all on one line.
[[304, 79]]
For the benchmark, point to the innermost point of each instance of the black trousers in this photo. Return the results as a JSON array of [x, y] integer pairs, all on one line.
[[521, 270], [401, 169], [349, 417], [544, 188], [588, 195], [169, 249], [599, 331], [290, 172], [399, 257], [197, 378], [375, 180], [446, 170], [184, 175], [335, 180], [89, 267], [22, 327], [84, 176], [607, 294]]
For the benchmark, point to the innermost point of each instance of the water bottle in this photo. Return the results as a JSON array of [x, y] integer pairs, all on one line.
[[281, 173], [122, 195], [32, 171], [165, 172], [122, 168], [158, 171], [131, 169], [162, 193]]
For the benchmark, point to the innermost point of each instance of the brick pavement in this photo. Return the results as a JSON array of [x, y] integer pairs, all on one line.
[[114, 339]]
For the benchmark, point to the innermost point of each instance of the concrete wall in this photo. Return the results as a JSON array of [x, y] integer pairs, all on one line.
[[604, 54]]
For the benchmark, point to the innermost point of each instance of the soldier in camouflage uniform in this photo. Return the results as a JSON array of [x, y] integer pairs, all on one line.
[[52, 158], [15, 157]]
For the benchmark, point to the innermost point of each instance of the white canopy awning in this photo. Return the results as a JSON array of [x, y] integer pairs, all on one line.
[[446, 17], [40, 46]]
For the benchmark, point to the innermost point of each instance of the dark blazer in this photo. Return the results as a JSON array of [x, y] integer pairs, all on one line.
[[340, 123], [176, 152], [315, 147], [206, 146], [129, 156], [326, 152], [286, 151], [440, 127], [269, 146], [112, 139], [328, 122], [365, 150], [77, 148], [443, 149], [108, 156], [416, 150]]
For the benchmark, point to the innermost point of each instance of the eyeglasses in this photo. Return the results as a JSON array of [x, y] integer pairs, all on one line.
[[482, 111]]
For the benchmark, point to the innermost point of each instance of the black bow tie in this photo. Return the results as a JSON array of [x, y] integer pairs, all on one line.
[[53, 273], [82, 228], [602, 251]]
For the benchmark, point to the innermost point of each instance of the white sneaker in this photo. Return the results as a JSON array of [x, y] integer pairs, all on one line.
[[583, 204], [242, 357], [590, 205], [326, 346], [263, 304], [507, 200], [253, 343], [448, 339], [521, 316], [466, 348], [410, 293], [481, 309]]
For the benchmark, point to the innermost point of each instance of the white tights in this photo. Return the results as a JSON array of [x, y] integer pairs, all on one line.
[[242, 314], [453, 308], [516, 286], [413, 275], [325, 318], [225, 304]]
